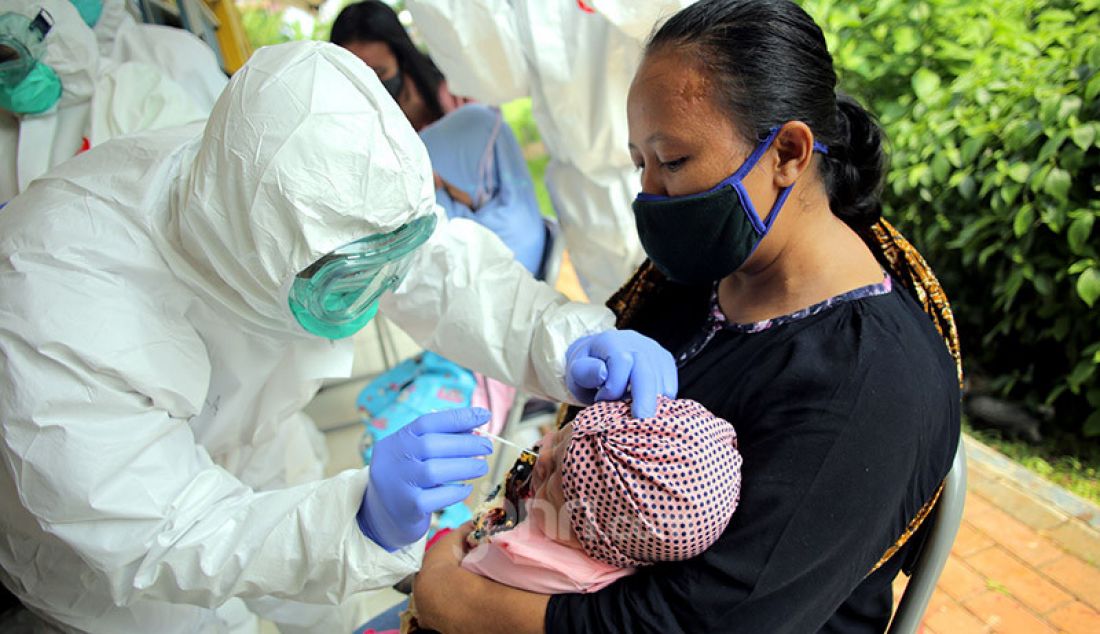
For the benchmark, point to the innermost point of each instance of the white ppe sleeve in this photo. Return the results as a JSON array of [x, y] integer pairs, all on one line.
[[468, 299], [477, 45], [122, 483]]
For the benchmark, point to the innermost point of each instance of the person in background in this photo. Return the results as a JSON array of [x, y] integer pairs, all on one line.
[[373, 33], [481, 173], [170, 301], [179, 54], [575, 61], [795, 311], [57, 98], [480, 170]]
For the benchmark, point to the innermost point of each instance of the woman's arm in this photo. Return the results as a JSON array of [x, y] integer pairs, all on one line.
[[454, 601], [813, 520]]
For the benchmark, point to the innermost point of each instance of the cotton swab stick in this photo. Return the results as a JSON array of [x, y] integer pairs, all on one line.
[[500, 440]]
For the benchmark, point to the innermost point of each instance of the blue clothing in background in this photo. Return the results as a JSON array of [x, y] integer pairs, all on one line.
[[474, 150]]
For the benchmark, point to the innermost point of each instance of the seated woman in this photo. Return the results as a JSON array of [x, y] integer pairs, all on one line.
[[793, 309], [606, 495], [480, 170]]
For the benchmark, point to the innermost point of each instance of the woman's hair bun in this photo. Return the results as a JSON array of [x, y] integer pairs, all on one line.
[[854, 168]]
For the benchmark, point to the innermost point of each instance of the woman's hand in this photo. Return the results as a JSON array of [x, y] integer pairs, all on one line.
[[448, 551], [442, 563], [454, 601]]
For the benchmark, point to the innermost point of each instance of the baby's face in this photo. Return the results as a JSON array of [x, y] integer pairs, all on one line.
[[549, 498]]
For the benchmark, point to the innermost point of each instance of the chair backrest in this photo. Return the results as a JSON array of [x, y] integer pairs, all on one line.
[[550, 266], [936, 549]]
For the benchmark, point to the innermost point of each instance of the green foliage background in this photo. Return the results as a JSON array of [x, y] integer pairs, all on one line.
[[992, 114], [264, 26]]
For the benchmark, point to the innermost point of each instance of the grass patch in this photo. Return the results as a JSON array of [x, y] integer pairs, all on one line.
[[1061, 458]]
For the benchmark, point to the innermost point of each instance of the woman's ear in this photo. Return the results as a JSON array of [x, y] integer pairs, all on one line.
[[794, 146]]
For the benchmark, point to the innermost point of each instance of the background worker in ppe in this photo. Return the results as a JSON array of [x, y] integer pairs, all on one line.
[[177, 53], [481, 173], [57, 98], [575, 60], [168, 304]]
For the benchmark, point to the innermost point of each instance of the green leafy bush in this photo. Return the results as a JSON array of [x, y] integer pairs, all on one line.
[[265, 26], [994, 124]]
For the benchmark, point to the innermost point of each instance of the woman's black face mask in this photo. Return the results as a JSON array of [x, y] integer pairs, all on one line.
[[394, 84], [704, 237]]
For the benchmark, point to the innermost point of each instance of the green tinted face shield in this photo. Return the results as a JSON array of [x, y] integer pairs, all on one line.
[[338, 294], [22, 45]]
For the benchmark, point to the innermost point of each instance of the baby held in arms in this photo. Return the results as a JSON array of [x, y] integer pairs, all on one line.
[[608, 494]]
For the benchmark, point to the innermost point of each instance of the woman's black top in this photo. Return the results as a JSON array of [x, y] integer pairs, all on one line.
[[848, 421]]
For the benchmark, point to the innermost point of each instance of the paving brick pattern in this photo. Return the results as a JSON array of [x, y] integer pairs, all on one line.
[[1018, 565]]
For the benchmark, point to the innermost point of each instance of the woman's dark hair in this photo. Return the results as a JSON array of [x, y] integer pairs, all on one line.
[[771, 65], [373, 21]]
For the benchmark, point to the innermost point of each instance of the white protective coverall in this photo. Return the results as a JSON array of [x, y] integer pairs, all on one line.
[[155, 458], [178, 54], [98, 101], [576, 66]]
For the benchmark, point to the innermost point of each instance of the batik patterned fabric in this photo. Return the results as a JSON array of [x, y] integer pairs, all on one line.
[[908, 266], [639, 491]]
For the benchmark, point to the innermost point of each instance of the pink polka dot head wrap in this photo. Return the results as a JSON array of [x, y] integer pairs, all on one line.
[[639, 491]]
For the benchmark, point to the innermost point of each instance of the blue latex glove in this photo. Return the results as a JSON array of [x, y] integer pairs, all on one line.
[[413, 470], [603, 366]]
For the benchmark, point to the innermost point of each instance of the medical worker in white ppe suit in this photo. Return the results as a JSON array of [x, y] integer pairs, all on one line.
[[576, 61], [58, 98], [168, 304], [180, 55]]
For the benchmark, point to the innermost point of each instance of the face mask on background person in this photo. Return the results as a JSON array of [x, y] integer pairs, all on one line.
[[338, 294], [394, 84], [89, 10], [669, 226], [27, 86]]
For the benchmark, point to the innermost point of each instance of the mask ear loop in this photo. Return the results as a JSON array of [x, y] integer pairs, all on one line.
[[758, 223], [737, 180]]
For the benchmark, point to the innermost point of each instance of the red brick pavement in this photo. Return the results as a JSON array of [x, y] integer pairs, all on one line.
[[1005, 576]]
